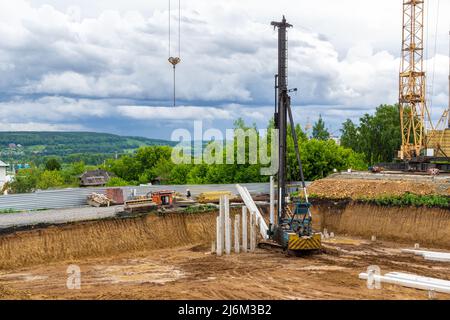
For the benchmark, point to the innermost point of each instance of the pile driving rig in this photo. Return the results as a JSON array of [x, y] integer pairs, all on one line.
[[293, 228]]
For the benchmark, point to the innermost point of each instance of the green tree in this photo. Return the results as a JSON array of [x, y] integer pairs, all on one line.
[[378, 136], [197, 175], [320, 158], [148, 157], [180, 173], [52, 164], [163, 169], [319, 130], [71, 172], [350, 136], [50, 179], [25, 180], [127, 168], [117, 182]]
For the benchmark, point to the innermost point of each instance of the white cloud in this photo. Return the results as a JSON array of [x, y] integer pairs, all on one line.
[[52, 109], [32, 126], [175, 113], [79, 59]]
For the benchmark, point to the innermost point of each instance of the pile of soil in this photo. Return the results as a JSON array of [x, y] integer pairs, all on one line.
[[361, 188]]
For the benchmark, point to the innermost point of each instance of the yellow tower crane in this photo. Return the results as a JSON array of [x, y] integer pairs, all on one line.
[[412, 88], [419, 134]]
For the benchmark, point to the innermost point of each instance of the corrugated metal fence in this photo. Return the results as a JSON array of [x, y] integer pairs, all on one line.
[[68, 198]]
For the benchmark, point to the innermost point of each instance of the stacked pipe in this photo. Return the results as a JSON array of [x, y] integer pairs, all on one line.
[[223, 243]]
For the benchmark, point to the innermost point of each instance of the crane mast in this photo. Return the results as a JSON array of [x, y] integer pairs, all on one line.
[[412, 88]]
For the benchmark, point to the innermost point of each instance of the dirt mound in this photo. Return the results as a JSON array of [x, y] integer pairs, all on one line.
[[360, 188]]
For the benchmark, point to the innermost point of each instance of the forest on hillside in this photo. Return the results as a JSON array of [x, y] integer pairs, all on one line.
[[68, 147]]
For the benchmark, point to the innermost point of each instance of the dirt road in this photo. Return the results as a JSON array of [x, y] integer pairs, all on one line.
[[192, 272]]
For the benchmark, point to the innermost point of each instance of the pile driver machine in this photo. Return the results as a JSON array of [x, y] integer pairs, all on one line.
[[293, 229]]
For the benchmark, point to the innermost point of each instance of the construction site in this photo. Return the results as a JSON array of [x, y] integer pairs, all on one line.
[[337, 238], [136, 258]]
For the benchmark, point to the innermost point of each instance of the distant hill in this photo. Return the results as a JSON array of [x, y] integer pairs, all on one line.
[[69, 146]]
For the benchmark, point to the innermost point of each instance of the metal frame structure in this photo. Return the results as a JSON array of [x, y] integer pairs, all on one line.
[[412, 80]]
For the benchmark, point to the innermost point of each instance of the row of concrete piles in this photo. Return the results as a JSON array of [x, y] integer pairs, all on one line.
[[242, 225]]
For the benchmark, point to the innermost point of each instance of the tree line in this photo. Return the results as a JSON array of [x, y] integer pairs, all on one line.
[[377, 136], [374, 139]]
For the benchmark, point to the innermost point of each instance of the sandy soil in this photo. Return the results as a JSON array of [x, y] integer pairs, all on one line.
[[358, 188], [192, 272]]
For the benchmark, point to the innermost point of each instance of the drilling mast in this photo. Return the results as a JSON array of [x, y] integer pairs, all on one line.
[[412, 88], [293, 229], [281, 113]]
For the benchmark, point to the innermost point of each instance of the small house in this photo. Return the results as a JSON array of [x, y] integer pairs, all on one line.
[[158, 181], [95, 178]]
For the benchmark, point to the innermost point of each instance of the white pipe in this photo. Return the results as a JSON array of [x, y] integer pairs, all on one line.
[[272, 201], [237, 245], [434, 258], [252, 232], [255, 234], [414, 277], [246, 197], [222, 222], [430, 255], [219, 236], [407, 283], [228, 237], [244, 229], [227, 226], [421, 252]]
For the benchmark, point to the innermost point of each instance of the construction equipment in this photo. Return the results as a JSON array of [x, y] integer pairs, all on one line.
[[150, 202], [440, 136], [412, 88], [293, 229], [163, 198], [425, 146]]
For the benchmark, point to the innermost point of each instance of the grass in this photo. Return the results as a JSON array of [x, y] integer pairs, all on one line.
[[410, 200], [200, 209], [3, 211], [405, 200]]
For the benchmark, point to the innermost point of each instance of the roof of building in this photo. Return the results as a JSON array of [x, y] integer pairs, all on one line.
[[2, 164], [95, 177]]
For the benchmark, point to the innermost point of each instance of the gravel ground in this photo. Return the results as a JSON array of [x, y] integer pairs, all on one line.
[[56, 216]]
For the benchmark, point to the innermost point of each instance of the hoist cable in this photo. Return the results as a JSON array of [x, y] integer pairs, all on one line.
[[434, 58], [170, 31], [179, 28], [174, 60]]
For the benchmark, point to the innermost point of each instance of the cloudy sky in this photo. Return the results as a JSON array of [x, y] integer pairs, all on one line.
[[83, 65]]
